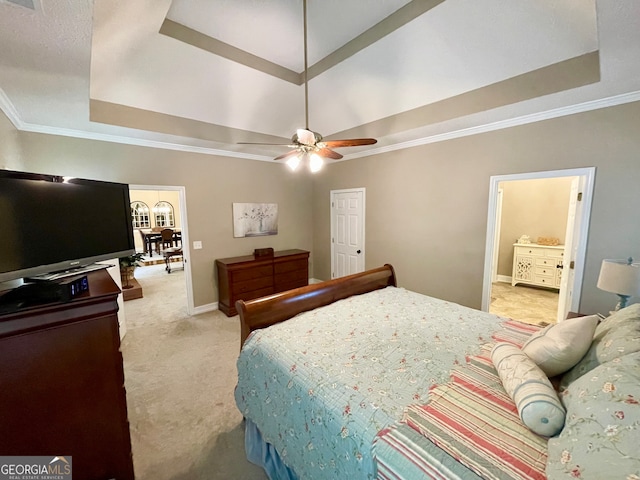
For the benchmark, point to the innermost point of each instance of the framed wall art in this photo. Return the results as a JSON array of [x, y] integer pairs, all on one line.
[[255, 219]]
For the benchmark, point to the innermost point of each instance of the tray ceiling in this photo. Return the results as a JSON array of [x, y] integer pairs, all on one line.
[[201, 75]]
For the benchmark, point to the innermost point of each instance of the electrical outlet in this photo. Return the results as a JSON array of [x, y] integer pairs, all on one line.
[[197, 245]]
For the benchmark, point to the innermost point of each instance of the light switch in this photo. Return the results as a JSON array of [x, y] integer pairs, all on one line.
[[197, 245]]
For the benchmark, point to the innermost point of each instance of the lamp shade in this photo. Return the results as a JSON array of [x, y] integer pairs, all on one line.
[[621, 277]]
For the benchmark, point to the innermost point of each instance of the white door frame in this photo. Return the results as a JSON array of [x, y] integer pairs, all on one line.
[[184, 225], [496, 237], [588, 175], [332, 195]]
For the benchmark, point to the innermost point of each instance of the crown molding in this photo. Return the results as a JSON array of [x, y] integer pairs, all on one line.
[[7, 107], [67, 132], [9, 110], [508, 123]]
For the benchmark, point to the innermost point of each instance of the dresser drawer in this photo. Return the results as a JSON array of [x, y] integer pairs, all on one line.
[[252, 284], [548, 281], [554, 253], [283, 267], [252, 294], [545, 271], [295, 276], [546, 262], [536, 252], [244, 274]]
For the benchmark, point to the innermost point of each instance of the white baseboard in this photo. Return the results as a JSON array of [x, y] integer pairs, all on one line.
[[209, 307], [214, 306], [503, 278]]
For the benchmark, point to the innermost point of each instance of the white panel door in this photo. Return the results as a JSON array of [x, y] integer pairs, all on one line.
[[347, 232], [571, 242]]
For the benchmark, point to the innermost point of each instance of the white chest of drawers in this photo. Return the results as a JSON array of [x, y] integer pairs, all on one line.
[[539, 265]]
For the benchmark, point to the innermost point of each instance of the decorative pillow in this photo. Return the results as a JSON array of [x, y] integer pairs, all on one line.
[[557, 348], [602, 431], [617, 335], [536, 400]]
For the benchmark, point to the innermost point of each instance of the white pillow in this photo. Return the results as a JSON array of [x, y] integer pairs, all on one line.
[[557, 348], [536, 400]]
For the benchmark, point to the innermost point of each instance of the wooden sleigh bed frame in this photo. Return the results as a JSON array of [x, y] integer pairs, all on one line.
[[266, 311], [401, 385]]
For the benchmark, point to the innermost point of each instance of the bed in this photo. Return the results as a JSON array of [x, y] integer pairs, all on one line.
[[358, 378]]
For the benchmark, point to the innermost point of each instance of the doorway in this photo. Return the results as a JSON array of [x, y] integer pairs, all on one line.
[[162, 193], [574, 238], [347, 231]]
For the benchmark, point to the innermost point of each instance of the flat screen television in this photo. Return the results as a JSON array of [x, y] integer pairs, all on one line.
[[50, 223]]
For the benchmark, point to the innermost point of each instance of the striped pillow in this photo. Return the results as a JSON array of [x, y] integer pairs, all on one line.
[[536, 400]]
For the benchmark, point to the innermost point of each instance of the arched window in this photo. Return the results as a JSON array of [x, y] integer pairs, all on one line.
[[140, 215], [163, 213]]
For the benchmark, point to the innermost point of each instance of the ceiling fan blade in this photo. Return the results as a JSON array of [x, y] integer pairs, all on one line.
[[285, 155], [326, 152], [260, 143], [353, 142]]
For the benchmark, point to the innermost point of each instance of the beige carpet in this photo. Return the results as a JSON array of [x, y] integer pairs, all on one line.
[[527, 304], [179, 375]]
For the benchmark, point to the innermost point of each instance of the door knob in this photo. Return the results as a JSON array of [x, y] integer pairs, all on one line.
[[358, 251]]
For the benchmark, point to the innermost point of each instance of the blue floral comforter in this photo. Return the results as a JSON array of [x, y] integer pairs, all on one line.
[[321, 385]]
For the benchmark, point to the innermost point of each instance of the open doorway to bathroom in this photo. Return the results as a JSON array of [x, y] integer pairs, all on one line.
[[536, 242]]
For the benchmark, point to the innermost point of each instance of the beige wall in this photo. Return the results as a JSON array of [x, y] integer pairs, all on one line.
[[211, 184], [426, 206], [426, 210], [538, 208], [10, 158]]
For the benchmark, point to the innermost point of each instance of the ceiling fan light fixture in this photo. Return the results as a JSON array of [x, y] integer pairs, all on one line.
[[315, 162], [306, 137], [294, 162]]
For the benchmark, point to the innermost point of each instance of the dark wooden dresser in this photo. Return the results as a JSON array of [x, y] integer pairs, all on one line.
[[62, 383], [249, 276]]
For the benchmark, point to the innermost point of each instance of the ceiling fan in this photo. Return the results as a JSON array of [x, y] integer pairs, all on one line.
[[307, 143]]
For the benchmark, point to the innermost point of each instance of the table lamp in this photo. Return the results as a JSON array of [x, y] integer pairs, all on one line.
[[621, 277]]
